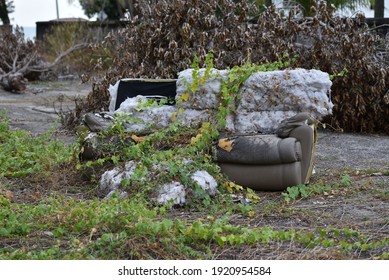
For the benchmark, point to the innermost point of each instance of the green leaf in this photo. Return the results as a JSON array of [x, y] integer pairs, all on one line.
[[220, 240]]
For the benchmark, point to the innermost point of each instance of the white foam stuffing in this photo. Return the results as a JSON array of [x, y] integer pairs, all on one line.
[[205, 181], [130, 105], [206, 96], [191, 117], [263, 122], [111, 180], [299, 90], [113, 92], [267, 98], [173, 192]]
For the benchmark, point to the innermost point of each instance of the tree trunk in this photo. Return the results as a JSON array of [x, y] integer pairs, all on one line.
[[5, 29], [4, 13], [14, 83], [379, 7]]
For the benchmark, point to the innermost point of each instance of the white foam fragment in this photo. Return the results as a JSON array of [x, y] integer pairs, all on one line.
[[131, 105], [206, 95], [113, 92], [298, 90], [111, 180], [191, 117], [205, 181], [173, 192], [263, 122], [90, 136]]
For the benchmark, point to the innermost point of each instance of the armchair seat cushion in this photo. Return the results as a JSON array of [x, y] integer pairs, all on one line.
[[262, 150], [276, 177]]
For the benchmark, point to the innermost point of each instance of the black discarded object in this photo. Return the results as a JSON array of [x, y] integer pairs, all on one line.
[[154, 89]]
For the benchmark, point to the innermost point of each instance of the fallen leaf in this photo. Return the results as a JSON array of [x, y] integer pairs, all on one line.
[[226, 144], [173, 117], [93, 231], [334, 191], [185, 96], [138, 139]]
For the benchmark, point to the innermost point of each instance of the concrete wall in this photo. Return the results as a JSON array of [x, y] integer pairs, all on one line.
[[381, 23]]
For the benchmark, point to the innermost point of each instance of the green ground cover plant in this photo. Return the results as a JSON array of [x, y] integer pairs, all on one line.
[[304, 191], [22, 154], [63, 226], [128, 229]]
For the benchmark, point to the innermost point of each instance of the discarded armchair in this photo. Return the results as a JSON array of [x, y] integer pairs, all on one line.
[[271, 162], [272, 136]]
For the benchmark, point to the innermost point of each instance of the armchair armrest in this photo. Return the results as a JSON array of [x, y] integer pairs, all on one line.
[[306, 135]]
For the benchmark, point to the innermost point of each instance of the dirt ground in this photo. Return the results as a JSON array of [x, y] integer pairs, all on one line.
[[36, 110], [364, 206]]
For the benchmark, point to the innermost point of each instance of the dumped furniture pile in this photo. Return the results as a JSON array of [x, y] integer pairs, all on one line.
[[267, 144]]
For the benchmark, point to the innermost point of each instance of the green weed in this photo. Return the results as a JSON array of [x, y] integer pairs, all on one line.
[[21, 154], [304, 191], [130, 229]]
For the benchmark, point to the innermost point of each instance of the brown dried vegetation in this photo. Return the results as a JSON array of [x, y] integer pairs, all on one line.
[[164, 40], [17, 56]]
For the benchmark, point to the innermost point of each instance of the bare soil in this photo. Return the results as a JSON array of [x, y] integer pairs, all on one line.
[[363, 206], [37, 109]]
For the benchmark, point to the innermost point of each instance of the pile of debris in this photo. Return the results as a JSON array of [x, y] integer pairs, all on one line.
[[266, 99]]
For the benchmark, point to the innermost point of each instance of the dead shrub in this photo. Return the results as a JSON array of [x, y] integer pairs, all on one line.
[[17, 59], [94, 58], [164, 40]]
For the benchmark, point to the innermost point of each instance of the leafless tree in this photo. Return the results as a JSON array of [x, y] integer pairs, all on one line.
[[19, 57]]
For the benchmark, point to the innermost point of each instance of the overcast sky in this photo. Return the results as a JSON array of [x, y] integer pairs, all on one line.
[[28, 12]]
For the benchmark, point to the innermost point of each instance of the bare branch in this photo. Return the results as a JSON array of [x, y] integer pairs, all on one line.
[[68, 52], [6, 64], [18, 58], [60, 57], [26, 66]]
